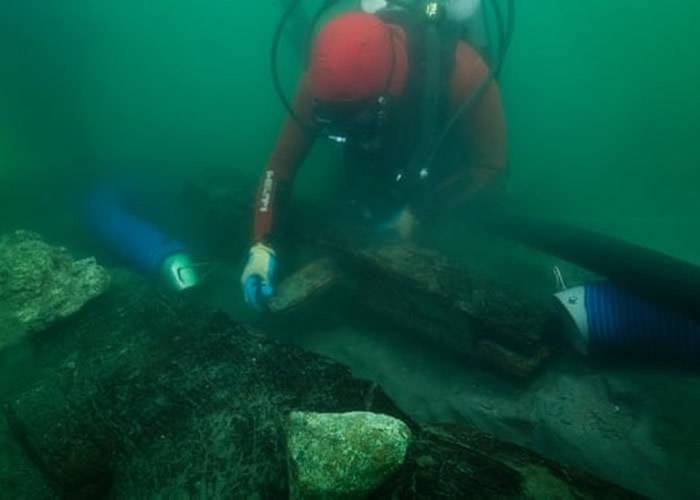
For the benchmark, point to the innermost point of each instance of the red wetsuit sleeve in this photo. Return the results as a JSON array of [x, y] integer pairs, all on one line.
[[291, 148], [482, 127]]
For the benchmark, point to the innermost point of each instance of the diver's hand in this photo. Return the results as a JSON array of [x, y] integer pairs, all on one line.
[[258, 275], [404, 224]]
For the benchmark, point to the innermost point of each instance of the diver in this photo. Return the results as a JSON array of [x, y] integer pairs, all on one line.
[[389, 88]]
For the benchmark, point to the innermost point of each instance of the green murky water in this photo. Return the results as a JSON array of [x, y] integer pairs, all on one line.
[[600, 97]]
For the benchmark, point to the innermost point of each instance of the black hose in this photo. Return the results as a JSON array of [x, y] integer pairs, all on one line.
[[274, 54], [501, 29], [314, 22], [510, 29], [274, 64], [652, 275], [505, 35]]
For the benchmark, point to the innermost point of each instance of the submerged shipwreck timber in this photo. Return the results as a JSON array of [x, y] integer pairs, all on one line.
[[415, 289], [154, 396], [421, 292]]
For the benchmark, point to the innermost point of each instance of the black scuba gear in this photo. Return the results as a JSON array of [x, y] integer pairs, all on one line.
[[359, 123]]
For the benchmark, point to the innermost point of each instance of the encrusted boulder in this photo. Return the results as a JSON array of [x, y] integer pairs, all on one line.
[[40, 284], [155, 396], [343, 455]]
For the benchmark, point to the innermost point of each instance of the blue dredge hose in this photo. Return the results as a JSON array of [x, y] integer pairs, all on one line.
[[651, 305], [124, 234], [624, 323], [612, 321]]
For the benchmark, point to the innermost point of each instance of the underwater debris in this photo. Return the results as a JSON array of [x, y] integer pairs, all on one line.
[[424, 294], [412, 288], [41, 284], [200, 409]]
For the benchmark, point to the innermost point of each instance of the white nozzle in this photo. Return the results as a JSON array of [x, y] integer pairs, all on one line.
[[179, 273], [574, 302]]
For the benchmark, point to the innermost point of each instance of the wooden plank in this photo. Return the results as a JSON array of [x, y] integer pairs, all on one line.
[[425, 294]]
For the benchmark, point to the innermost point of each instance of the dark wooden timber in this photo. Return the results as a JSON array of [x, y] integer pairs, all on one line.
[[408, 287], [422, 292]]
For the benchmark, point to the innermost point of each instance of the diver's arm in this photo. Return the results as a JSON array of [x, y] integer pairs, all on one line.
[[483, 128], [292, 145]]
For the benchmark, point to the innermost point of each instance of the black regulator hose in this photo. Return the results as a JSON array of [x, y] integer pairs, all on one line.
[[509, 30], [274, 66], [314, 22], [274, 54], [501, 35], [505, 35]]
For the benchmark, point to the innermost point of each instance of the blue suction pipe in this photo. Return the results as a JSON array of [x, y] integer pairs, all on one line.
[[609, 320], [127, 236]]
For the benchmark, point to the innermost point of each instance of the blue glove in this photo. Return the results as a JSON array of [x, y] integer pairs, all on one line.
[[258, 275]]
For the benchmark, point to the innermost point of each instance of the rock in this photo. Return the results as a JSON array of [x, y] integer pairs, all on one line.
[[40, 284], [343, 455], [19, 478], [156, 396], [153, 396], [570, 415]]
